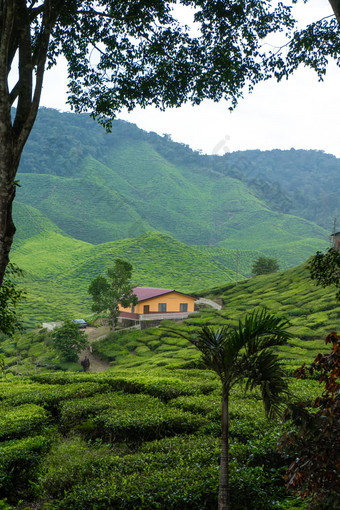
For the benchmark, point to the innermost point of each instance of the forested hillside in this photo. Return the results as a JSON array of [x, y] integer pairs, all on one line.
[[299, 182], [99, 187]]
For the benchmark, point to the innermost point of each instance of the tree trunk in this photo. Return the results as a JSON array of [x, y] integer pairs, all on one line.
[[336, 8], [8, 169], [113, 324], [224, 491], [16, 38], [7, 228]]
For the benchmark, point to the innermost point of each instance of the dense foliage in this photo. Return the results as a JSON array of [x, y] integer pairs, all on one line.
[[315, 471], [264, 265], [85, 444], [325, 269], [108, 295], [68, 340], [10, 297]]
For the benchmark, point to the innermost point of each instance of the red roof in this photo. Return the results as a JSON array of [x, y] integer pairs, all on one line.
[[144, 293]]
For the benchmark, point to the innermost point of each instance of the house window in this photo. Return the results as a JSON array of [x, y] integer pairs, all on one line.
[[162, 307], [133, 309], [183, 307]]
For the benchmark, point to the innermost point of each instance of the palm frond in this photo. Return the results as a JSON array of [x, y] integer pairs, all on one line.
[[264, 371], [212, 342], [261, 330]]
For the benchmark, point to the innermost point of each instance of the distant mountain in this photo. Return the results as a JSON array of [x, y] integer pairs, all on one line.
[[99, 187], [304, 183]]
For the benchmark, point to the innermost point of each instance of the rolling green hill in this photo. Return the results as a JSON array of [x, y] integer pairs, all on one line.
[[311, 310], [59, 270]]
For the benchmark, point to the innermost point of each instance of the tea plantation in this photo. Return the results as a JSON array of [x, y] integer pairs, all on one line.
[[128, 440], [145, 434]]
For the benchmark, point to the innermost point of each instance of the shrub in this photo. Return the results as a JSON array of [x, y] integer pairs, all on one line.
[[21, 421], [132, 418], [46, 394], [18, 460]]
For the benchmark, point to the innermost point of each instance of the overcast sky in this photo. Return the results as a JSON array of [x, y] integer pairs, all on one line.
[[301, 112]]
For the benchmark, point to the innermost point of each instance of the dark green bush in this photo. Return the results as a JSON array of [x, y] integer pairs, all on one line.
[[122, 417], [18, 461]]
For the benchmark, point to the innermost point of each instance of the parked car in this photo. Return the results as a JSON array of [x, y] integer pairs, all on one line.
[[81, 323]]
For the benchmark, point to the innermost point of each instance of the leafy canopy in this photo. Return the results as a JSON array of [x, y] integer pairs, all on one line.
[[109, 294], [10, 297], [325, 269], [265, 265], [68, 341]]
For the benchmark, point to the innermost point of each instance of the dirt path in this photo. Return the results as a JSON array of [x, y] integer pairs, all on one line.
[[96, 364]]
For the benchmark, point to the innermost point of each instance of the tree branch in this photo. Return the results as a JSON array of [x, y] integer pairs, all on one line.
[[51, 12], [336, 8], [14, 93], [7, 16], [25, 65]]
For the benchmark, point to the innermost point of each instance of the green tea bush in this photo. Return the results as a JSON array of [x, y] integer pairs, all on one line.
[[143, 419], [18, 460], [21, 421], [206, 405], [165, 388], [175, 473], [74, 411], [46, 394], [153, 384]]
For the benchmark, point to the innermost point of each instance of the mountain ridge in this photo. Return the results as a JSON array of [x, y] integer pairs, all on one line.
[[87, 196]]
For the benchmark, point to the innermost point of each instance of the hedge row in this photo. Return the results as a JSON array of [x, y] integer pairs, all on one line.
[[46, 394], [122, 417], [21, 421], [172, 473], [18, 459], [162, 387]]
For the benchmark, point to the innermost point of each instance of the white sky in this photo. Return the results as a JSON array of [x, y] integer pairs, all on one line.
[[301, 112]]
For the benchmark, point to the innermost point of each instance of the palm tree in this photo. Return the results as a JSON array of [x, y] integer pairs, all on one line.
[[244, 353]]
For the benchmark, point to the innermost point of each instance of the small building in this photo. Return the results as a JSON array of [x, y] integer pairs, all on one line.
[[158, 304], [335, 241]]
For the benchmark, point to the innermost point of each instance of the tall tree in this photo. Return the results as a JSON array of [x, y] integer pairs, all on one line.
[[244, 353], [108, 295], [122, 53], [68, 341], [265, 265], [325, 269]]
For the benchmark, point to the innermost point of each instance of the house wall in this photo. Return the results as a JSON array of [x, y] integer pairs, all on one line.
[[172, 300]]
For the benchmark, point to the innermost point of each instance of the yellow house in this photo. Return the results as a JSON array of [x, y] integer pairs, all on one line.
[[158, 304]]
